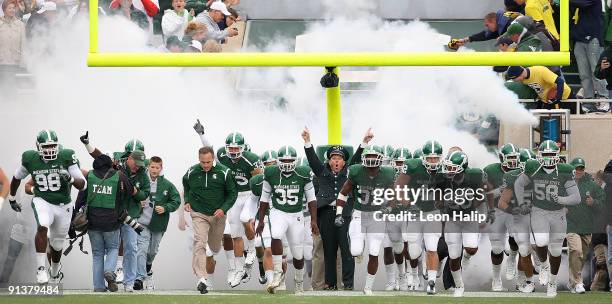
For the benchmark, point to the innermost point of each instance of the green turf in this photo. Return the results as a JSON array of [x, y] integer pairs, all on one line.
[[285, 297]]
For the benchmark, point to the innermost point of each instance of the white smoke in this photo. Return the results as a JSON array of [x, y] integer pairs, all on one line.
[[159, 106]]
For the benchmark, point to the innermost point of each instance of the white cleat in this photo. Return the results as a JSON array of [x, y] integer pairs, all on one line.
[[149, 283], [551, 290], [276, 281], [544, 273], [230, 276], [237, 279], [249, 260], [579, 288], [409, 281], [282, 286], [528, 287], [119, 274], [367, 291], [390, 286], [299, 288], [416, 282], [402, 284], [431, 287], [56, 279], [42, 276], [459, 292], [496, 284]]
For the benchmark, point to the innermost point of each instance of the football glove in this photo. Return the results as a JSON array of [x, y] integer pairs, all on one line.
[[199, 128], [65, 175], [491, 216], [339, 221], [85, 138], [14, 204]]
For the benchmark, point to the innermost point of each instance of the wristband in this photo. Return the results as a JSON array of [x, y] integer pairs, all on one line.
[[339, 210], [342, 197], [89, 148]]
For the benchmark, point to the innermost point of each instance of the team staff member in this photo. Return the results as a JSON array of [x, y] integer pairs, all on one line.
[[331, 176], [210, 191], [107, 190], [580, 219], [163, 200], [543, 81]]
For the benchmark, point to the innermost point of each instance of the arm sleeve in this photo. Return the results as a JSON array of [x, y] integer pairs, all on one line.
[[480, 36], [21, 172], [81, 200], [519, 188], [573, 197], [313, 160], [186, 188], [205, 141], [75, 172], [144, 191], [357, 156], [599, 197], [174, 201], [560, 86], [266, 192], [309, 192], [231, 192]]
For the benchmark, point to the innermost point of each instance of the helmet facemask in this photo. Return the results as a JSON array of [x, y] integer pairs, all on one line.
[[231, 151], [372, 160], [511, 161], [48, 151], [398, 164], [431, 165], [548, 159], [287, 164], [450, 169]]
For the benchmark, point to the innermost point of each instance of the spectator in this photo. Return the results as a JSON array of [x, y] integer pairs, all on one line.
[[505, 44], [208, 204], [217, 12], [607, 214], [212, 46], [495, 24], [600, 246], [580, 223], [197, 6], [174, 45], [551, 89], [12, 42], [163, 199], [228, 20], [195, 47], [106, 191], [602, 71], [174, 21], [195, 31], [542, 13], [331, 176], [140, 12], [512, 6], [586, 30], [525, 41], [42, 20]]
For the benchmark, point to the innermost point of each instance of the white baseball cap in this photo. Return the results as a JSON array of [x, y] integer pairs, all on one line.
[[220, 6], [47, 6], [196, 44]]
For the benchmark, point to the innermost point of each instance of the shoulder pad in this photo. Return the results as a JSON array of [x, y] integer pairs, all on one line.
[[490, 169], [475, 175], [220, 152], [565, 168], [531, 167], [270, 171], [412, 164], [257, 179], [353, 170], [303, 171], [27, 156], [68, 156]]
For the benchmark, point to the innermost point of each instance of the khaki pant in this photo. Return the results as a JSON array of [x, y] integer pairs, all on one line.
[[206, 229], [599, 280], [579, 245], [318, 264]]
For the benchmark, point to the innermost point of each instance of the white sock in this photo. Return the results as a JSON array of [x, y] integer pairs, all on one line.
[[277, 260], [231, 264], [553, 278], [120, 261], [390, 273], [497, 271], [466, 255], [270, 275], [41, 259], [369, 281], [401, 269], [299, 275], [250, 245], [54, 269], [239, 261], [457, 278], [432, 274]]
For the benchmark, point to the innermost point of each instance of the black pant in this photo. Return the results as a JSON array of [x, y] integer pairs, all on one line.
[[334, 237]]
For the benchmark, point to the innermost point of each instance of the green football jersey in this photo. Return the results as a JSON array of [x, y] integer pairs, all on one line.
[[364, 185], [421, 178], [544, 184], [473, 178], [288, 191], [242, 168], [495, 176], [47, 182], [508, 182], [256, 183]]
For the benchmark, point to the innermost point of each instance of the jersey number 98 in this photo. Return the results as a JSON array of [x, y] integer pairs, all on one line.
[[49, 182]]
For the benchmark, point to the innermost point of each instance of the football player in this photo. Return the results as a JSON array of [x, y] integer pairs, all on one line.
[[498, 230], [553, 188], [460, 233], [364, 180], [400, 156], [54, 171], [243, 165], [521, 227], [284, 188], [421, 174], [388, 151]]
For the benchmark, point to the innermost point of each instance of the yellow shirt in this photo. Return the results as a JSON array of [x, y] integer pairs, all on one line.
[[542, 80], [540, 10]]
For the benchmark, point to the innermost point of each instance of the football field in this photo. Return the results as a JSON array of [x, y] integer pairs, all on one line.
[[338, 297]]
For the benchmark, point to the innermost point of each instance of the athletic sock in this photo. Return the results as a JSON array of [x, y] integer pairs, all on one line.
[[239, 263], [277, 260], [269, 275], [457, 278], [120, 261], [497, 271], [431, 275], [390, 269], [54, 269], [231, 264], [41, 259], [369, 281]]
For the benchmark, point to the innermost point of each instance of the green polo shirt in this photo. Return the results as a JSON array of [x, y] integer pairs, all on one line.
[[209, 191]]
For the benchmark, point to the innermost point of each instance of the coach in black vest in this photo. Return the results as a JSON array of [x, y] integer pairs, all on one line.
[[331, 176]]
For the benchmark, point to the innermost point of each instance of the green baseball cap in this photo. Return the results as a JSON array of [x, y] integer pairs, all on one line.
[[515, 29], [139, 158], [578, 162]]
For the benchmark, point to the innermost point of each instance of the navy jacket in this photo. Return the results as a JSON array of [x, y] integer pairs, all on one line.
[[590, 20]]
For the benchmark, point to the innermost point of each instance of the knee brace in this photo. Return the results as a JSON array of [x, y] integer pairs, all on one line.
[[398, 247], [555, 249], [414, 251]]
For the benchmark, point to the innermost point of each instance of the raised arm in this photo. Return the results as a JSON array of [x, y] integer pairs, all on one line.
[[313, 160]]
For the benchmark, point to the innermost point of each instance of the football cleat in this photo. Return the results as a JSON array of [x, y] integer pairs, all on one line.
[[367, 291], [390, 286], [496, 284], [551, 290], [544, 273], [230, 276], [263, 279], [237, 279], [579, 288], [402, 284], [202, 287], [528, 287], [42, 276], [459, 292], [431, 287], [249, 260], [119, 274], [299, 288], [276, 281]]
